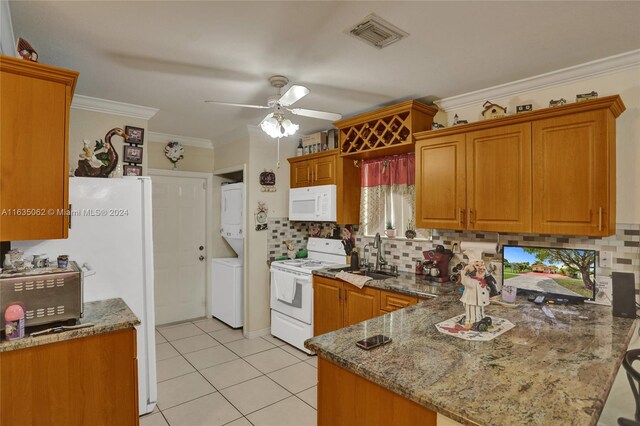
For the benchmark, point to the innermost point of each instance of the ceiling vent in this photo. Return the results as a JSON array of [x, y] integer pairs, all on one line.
[[377, 32]]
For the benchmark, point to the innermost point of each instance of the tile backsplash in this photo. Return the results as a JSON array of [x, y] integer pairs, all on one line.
[[624, 245], [281, 229]]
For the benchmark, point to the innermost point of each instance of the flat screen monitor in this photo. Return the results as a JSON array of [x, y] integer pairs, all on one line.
[[558, 272]]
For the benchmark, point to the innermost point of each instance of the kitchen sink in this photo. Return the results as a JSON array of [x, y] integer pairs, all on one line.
[[377, 275]]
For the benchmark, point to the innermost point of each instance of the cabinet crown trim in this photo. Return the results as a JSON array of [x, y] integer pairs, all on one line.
[[40, 71], [313, 156], [383, 112], [613, 103]]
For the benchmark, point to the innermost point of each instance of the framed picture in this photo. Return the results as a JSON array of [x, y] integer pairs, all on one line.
[[132, 170], [132, 154], [134, 135]]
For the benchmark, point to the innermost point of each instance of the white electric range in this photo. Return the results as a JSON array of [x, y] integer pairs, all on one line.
[[292, 291]]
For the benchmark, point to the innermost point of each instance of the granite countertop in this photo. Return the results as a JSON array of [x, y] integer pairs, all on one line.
[[107, 315], [555, 367], [405, 283]]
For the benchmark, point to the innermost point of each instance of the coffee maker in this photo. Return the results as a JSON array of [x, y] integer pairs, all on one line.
[[438, 263]]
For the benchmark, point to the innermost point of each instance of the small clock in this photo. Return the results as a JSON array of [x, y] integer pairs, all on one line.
[[261, 216]]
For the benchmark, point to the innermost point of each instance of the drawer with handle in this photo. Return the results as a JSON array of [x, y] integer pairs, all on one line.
[[390, 302]]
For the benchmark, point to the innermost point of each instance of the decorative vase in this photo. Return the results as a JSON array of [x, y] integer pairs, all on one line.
[[391, 233], [410, 234]]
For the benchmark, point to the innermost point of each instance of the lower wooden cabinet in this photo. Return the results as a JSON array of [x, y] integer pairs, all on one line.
[[345, 399], [390, 301], [86, 381], [327, 305], [360, 304], [337, 304]]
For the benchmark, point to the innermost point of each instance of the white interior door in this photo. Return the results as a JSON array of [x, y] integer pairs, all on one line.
[[179, 231]]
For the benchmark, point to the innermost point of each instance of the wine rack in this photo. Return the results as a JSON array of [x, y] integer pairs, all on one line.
[[385, 131]]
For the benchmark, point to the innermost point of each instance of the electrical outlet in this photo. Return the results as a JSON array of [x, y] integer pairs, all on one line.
[[455, 246], [606, 259]]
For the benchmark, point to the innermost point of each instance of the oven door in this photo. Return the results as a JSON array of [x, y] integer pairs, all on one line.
[[301, 307]]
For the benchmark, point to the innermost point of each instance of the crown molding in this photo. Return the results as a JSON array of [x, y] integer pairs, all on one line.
[[106, 106], [184, 140], [604, 66]]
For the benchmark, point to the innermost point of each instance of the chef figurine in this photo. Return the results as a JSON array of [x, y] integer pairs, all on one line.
[[476, 292]]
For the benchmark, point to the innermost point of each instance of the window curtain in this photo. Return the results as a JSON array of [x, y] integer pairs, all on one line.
[[388, 194]]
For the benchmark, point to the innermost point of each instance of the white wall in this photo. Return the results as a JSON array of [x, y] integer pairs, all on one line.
[[7, 38], [263, 155], [626, 83]]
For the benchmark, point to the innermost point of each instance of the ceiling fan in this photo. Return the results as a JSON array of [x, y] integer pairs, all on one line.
[[275, 124]]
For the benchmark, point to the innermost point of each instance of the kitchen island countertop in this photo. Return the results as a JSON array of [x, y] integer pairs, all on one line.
[[106, 315], [555, 367]]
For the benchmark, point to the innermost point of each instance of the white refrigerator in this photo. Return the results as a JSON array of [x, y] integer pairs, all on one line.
[[111, 232]]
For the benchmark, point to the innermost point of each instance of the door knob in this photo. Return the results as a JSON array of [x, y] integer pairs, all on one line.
[[201, 248], [201, 258]]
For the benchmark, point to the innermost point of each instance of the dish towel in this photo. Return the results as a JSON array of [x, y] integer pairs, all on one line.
[[285, 287], [357, 280]]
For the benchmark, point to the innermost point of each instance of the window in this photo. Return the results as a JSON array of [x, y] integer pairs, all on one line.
[[388, 194]]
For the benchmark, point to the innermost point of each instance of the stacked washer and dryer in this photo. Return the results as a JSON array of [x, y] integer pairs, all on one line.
[[226, 273]]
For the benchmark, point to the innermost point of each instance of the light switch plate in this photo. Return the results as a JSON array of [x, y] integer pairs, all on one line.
[[606, 259]]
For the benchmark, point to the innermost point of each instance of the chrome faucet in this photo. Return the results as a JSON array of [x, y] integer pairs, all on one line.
[[379, 246]]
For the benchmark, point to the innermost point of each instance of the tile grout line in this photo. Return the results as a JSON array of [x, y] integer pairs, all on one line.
[[216, 390], [212, 385], [191, 372]]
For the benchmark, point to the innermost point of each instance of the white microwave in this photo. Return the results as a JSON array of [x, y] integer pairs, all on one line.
[[313, 203]]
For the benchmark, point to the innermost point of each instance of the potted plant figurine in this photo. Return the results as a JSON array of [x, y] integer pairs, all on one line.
[[410, 233], [391, 230]]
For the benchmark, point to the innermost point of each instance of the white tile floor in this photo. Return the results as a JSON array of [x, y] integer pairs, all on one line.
[[210, 374]]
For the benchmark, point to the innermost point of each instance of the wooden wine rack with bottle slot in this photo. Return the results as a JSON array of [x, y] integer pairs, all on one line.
[[386, 131]]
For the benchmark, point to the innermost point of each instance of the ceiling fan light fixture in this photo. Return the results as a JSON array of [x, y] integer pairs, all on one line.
[[277, 126]]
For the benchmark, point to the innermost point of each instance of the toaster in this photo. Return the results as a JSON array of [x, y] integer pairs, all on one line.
[[47, 295]]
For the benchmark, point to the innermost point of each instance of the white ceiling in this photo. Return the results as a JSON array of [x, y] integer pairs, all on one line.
[[173, 55]]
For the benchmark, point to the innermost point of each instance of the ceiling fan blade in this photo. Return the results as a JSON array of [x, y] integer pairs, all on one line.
[[331, 116], [293, 95], [238, 105]]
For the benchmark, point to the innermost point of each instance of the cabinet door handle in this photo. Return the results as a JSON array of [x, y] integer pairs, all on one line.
[[339, 294], [461, 212], [471, 222], [599, 218]]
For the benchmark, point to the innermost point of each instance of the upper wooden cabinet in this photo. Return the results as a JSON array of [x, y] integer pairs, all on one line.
[[328, 168], [34, 137], [549, 171], [313, 170], [499, 178], [385, 131], [574, 174], [441, 183]]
